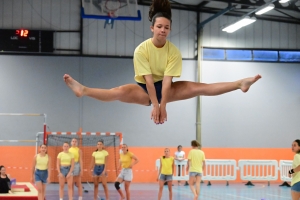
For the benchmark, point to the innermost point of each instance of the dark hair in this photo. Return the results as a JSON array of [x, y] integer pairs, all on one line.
[[298, 142], [195, 143], [101, 142], [126, 146], [179, 146], [1, 167], [160, 8]]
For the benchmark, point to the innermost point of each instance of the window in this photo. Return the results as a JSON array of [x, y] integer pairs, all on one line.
[[251, 55]]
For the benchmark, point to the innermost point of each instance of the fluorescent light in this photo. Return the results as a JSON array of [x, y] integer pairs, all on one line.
[[283, 1], [265, 9], [239, 24]]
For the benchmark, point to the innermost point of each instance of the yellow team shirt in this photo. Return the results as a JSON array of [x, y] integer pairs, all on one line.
[[160, 62], [75, 152], [100, 156], [296, 163], [42, 162], [65, 158], [196, 156], [126, 159], [167, 165]]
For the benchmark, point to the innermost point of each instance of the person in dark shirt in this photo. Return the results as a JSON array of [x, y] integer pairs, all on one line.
[[4, 181]]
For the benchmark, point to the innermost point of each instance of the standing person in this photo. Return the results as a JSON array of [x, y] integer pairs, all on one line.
[[41, 171], [77, 172], [196, 165], [98, 167], [180, 156], [294, 172], [165, 174], [65, 167], [156, 62], [5, 186], [126, 175]]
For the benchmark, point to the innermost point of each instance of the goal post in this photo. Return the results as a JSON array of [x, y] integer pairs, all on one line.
[[87, 142]]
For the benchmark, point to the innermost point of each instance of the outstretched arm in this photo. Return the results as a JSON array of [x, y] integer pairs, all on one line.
[[152, 95], [165, 92]]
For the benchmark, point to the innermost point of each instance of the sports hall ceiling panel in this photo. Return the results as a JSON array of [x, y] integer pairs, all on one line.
[[287, 12]]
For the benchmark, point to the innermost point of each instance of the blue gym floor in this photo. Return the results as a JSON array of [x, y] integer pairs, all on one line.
[[216, 191]]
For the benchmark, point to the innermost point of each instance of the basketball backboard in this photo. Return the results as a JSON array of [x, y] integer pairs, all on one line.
[[111, 9]]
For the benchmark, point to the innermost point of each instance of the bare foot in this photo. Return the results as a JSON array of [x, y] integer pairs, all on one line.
[[76, 87], [247, 82]]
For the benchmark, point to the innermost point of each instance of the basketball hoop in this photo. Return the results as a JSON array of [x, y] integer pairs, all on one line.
[[112, 7]]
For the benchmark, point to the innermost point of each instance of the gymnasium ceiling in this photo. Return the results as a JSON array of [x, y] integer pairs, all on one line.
[[288, 12]]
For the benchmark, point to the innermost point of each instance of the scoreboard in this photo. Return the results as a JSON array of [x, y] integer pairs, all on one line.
[[23, 40]]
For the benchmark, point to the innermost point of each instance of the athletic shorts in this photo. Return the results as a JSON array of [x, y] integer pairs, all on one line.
[[126, 174], [164, 177], [157, 85], [76, 170], [65, 170], [41, 175], [296, 187], [195, 174], [98, 169]]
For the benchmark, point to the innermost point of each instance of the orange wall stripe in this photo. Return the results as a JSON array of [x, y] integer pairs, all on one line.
[[19, 159]]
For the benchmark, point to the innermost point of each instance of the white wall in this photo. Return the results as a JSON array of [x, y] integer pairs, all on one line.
[[264, 117], [261, 34], [34, 84]]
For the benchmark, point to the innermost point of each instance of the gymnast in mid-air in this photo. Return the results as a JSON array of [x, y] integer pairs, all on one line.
[[156, 62]]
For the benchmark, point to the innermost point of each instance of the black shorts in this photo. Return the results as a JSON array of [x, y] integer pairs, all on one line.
[[158, 87]]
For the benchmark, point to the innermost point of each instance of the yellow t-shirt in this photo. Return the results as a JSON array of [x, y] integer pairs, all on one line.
[[65, 158], [160, 62], [196, 156], [75, 152], [296, 163], [42, 162], [126, 159], [100, 156], [167, 165]]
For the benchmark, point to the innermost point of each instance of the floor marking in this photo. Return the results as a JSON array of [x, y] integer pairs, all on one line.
[[240, 197], [278, 196]]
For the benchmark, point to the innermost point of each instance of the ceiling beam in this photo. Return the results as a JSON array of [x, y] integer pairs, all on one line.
[[174, 5], [261, 17], [291, 5]]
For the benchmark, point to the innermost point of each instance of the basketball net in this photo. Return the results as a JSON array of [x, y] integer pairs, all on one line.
[[112, 7]]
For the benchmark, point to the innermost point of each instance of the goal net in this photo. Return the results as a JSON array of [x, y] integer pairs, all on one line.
[[87, 142]]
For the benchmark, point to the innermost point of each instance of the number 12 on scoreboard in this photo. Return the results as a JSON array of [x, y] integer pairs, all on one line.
[[22, 33]]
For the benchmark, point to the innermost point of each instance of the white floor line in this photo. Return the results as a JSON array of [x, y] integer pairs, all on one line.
[[240, 197], [278, 196]]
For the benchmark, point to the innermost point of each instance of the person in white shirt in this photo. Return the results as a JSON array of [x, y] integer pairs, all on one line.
[[180, 156]]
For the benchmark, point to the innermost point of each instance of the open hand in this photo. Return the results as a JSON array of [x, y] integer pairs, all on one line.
[[155, 114], [163, 114]]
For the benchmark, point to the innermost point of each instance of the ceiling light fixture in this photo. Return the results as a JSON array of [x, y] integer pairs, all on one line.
[[265, 9], [239, 24], [283, 1]]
